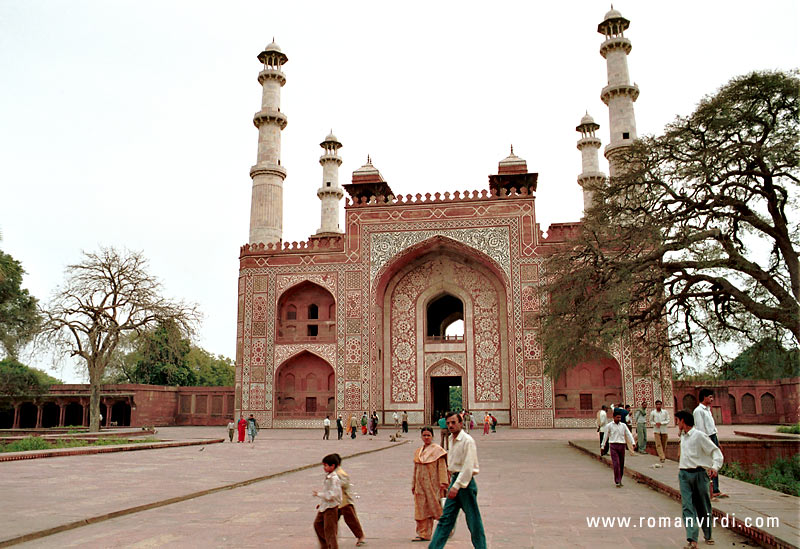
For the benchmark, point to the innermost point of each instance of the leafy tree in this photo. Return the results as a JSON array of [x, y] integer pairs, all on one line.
[[210, 370], [19, 315], [162, 357], [105, 297], [18, 380], [766, 359], [693, 245]]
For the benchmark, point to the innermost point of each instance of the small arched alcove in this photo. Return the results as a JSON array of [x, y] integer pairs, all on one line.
[[443, 316], [306, 312], [305, 387]]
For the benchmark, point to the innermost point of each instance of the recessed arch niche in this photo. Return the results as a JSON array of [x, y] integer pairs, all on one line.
[[306, 312], [305, 387]]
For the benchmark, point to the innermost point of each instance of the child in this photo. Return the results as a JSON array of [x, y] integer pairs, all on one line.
[[327, 520], [347, 509]]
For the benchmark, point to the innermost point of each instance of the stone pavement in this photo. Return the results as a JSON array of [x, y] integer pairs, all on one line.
[[534, 491]]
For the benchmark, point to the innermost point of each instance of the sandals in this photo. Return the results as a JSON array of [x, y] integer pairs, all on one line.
[[418, 538]]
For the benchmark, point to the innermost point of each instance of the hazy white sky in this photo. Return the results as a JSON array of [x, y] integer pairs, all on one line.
[[129, 123]]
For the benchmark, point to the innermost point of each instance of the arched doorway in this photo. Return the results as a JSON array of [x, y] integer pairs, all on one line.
[[73, 415], [586, 386], [441, 299], [306, 313], [305, 387], [51, 413], [6, 417], [689, 402], [121, 413], [28, 412]]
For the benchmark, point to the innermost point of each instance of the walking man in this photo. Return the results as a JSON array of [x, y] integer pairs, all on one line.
[[660, 419], [602, 421], [326, 423], [462, 464], [339, 427], [704, 421], [700, 459], [353, 426], [640, 417], [405, 421], [617, 434], [445, 432], [396, 420]]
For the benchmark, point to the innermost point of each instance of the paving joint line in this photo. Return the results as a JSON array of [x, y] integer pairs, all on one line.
[[177, 499]]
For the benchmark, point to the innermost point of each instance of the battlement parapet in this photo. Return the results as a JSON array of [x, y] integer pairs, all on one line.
[[437, 198], [316, 244]]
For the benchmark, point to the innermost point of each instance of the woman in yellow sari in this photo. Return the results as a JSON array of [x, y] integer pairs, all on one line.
[[429, 484]]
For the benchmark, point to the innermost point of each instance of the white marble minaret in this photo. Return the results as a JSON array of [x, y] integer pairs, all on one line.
[[266, 206], [619, 94], [589, 145], [330, 193]]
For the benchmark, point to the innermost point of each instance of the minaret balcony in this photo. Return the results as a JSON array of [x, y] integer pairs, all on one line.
[[612, 149], [325, 158], [336, 191], [591, 178], [271, 74], [588, 142], [264, 168], [615, 42], [270, 116], [631, 90]]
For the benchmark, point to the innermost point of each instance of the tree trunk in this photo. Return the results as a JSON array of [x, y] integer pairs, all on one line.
[[94, 401]]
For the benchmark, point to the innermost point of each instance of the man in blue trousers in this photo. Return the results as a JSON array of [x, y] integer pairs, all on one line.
[[462, 464]]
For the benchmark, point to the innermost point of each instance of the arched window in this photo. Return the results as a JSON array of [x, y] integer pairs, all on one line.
[[288, 382], [732, 403], [443, 312], [584, 378], [291, 312], [332, 311], [768, 404], [313, 312], [689, 402], [561, 401], [311, 382], [748, 404], [299, 312], [330, 382]]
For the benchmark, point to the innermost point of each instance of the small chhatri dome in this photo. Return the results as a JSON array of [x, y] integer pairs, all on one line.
[[331, 140], [512, 164], [273, 46], [587, 119], [331, 137], [612, 14]]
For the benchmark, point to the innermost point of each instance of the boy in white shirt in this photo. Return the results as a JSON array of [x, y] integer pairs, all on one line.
[[326, 522]]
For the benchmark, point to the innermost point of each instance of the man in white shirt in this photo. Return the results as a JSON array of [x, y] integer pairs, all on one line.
[[396, 421], [704, 421], [616, 434], [462, 464], [602, 420], [640, 417], [326, 423], [660, 420], [700, 459]]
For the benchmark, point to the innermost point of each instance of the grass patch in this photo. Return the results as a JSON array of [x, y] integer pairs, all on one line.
[[790, 429], [782, 475], [38, 443]]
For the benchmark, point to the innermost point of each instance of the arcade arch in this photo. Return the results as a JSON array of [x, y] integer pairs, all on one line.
[[306, 312], [305, 387], [586, 386]]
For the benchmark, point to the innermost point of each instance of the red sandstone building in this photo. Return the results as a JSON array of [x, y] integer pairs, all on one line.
[[360, 317]]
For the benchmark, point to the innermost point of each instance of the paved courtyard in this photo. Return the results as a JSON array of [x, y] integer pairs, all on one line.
[[534, 491]]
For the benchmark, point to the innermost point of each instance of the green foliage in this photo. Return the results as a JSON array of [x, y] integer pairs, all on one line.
[[211, 371], [693, 243], [456, 400], [18, 380], [782, 475], [790, 429], [19, 316], [766, 359], [163, 356], [38, 443]]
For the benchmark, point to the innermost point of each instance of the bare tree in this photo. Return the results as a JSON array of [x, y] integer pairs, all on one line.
[[105, 297]]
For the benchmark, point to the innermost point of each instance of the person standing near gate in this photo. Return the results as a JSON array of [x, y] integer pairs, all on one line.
[[339, 427], [660, 420], [704, 421], [602, 421], [326, 424], [640, 417]]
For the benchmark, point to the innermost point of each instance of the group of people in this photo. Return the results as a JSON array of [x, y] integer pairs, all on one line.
[[699, 462], [248, 429], [443, 483]]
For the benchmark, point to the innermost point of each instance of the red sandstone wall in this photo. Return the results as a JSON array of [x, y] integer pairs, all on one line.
[[745, 452]]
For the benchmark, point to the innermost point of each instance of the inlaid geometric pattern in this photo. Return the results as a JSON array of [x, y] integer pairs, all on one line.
[[353, 303], [353, 326], [535, 419], [534, 393], [529, 273], [260, 284], [352, 280], [353, 371], [353, 349], [533, 368], [530, 298]]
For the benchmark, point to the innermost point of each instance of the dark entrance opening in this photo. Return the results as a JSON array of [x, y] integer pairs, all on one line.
[[73, 415], [6, 418], [50, 414], [440, 394], [27, 415], [442, 312], [121, 414]]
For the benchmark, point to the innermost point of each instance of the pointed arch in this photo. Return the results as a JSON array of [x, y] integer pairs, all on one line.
[[298, 314]]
